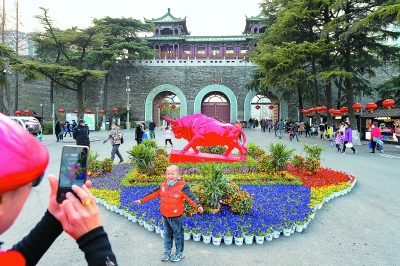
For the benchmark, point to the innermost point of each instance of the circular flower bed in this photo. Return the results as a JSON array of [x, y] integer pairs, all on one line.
[[281, 203]]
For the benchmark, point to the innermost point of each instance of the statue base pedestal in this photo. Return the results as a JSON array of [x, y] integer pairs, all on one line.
[[191, 157]]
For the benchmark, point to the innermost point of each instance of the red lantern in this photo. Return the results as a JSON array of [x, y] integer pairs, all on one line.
[[303, 111], [27, 112], [18, 113], [331, 112], [357, 107], [318, 109], [322, 109], [115, 110], [388, 103], [311, 110], [61, 111], [101, 111], [371, 107], [173, 106], [337, 112], [258, 107], [160, 106], [89, 111], [344, 110], [76, 112], [271, 107]]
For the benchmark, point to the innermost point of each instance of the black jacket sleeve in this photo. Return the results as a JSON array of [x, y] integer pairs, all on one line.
[[186, 190], [38, 241], [97, 248]]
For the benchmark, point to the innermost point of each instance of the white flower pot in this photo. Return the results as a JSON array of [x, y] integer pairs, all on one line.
[[269, 237], [228, 240], [238, 241], [299, 228], [276, 234], [186, 236], [162, 233], [150, 227], [134, 219], [260, 240], [216, 241], [286, 231], [157, 229], [196, 237], [319, 206], [141, 222], [206, 239], [292, 229], [248, 240]]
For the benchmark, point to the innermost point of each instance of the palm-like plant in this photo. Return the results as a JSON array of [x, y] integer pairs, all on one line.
[[142, 157], [280, 156], [215, 187]]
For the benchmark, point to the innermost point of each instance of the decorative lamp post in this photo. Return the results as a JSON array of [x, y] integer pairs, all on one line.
[[258, 107], [344, 110], [18, 113], [41, 105], [388, 103], [128, 90], [371, 107], [357, 107], [89, 111], [27, 112]]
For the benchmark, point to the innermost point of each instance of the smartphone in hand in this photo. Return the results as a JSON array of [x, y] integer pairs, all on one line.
[[73, 169]]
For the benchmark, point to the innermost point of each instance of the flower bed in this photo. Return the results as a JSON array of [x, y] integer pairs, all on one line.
[[280, 203]]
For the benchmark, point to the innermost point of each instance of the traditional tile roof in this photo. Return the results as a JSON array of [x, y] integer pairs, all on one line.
[[254, 20], [382, 112], [166, 18]]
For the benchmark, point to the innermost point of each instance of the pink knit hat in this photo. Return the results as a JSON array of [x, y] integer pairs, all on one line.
[[23, 158]]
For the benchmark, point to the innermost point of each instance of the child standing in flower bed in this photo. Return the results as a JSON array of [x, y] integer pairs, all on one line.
[[172, 192]]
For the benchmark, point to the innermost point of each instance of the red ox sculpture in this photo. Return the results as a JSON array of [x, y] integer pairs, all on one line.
[[201, 130]]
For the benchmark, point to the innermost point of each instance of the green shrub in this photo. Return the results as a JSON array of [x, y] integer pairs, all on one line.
[[280, 156], [254, 151], [107, 165], [48, 129], [142, 156], [213, 149]]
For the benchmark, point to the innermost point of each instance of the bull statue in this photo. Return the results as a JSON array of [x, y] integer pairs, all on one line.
[[201, 130]]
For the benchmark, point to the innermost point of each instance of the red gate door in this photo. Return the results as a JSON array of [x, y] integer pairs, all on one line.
[[218, 111]]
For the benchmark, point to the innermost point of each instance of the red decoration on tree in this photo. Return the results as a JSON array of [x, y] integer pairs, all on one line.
[[303, 111], [76, 112], [89, 111], [311, 110], [271, 107], [173, 106], [61, 111], [337, 112], [18, 113], [27, 112], [258, 107], [371, 107], [115, 110], [322, 109], [344, 110], [101, 111], [160, 106], [331, 111], [357, 107], [388, 103]]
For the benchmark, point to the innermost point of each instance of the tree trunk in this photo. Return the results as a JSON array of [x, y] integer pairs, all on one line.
[[328, 90], [16, 90], [316, 92], [106, 81], [300, 94], [79, 96]]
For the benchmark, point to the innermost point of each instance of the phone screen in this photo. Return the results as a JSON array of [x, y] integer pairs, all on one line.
[[73, 169]]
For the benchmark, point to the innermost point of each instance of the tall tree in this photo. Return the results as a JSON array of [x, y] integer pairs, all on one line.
[[121, 42], [7, 56], [73, 46]]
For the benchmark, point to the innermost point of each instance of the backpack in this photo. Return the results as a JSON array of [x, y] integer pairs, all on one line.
[[122, 139]]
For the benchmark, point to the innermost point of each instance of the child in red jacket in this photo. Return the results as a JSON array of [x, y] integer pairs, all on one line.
[[172, 192]]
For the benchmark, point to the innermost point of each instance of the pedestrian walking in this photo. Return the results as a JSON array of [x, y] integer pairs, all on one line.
[[263, 125], [115, 136], [375, 136], [295, 129], [239, 125], [168, 136], [58, 130], [67, 129], [139, 133], [339, 140], [280, 127], [81, 134], [152, 127], [348, 138], [173, 191], [307, 129]]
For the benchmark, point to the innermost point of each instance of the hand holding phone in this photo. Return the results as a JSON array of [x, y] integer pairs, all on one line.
[[73, 170]]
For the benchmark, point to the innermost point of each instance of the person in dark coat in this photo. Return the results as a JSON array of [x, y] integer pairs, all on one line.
[[139, 133], [152, 127], [58, 130], [81, 134]]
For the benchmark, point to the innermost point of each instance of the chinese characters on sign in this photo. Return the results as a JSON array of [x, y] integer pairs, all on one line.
[[216, 80]]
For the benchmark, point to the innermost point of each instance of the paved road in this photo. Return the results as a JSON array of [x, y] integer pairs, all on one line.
[[356, 229]]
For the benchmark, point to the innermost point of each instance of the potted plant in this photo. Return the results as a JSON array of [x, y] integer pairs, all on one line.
[[239, 235], [196, 234], [186, 233], [216, 238], [228, 238], [206, 234], [269, 234], [107, 165], [141, 219], [260, 234]]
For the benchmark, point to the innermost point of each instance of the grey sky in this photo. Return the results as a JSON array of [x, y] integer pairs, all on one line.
[[205, 17]]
